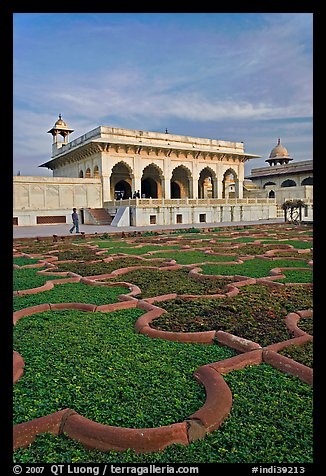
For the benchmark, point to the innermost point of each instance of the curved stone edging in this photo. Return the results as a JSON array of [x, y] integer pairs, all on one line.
[[240, 280], [286, 364], [25, 433], [46, 287], [292, 319], [218, 395], [289, 366], [217, 406], [18, 366], [134, 290], [105, 437]]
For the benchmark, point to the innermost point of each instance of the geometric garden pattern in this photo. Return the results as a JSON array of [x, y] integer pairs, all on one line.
[[187, 346]]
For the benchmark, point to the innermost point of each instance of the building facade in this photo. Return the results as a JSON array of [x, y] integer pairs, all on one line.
[[157, 165], [283, 180], [179, 179]]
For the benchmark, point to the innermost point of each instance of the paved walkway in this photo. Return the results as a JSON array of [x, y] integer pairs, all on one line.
[[63, 230]]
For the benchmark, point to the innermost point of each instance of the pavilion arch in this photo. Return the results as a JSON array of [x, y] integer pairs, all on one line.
[[151, 181], [288, 183], [269, 183], [96, 172], [307, 181], [181, 182], [81, 174], [88, 173], [207, 183], [121, 180], [230, 180]]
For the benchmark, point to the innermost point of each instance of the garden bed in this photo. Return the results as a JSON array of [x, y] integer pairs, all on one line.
[[100, 364], [257, 313], [157, 282]]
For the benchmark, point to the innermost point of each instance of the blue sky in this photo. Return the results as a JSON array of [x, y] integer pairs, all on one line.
[[230, 76]]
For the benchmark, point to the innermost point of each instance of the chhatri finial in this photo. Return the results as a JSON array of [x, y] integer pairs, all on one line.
[[278, 141]]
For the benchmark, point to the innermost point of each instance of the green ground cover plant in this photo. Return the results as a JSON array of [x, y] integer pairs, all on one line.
[[155, 283], [195, 236], [192, 257], [27, 278], [248, 435], [97, 365], [111, 243], [306, 325], [251, 249], [297, 276], [23, 260], [254, 268], [300, 353], [80, 253], [131, 250], [43, 246], [231, 239], [71, 292], [271, 415], [300, 245], [292, 254], [102, 267], [257, 313]]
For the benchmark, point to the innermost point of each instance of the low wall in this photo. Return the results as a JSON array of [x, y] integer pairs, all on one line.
[[201, 213], [39, 200]]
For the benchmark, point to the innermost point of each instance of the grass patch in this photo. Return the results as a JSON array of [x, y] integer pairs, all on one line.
[[270, 421], [155, 283], [254, 268], [192, 257], [300, 245], [257, 313], [97, 365], [26, 278], [71, 292], [131, 250], [23, 261], [101, 267], [300, 353], [297, 276]]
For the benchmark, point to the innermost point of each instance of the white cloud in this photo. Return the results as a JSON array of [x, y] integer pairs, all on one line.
[[197, 76]]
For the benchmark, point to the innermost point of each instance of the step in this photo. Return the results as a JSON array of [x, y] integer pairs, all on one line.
[[101, 216]]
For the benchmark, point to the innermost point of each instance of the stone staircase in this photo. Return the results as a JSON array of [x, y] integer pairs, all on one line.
[[100, 216]]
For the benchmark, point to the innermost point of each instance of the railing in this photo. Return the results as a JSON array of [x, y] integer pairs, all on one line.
[[168, 202]]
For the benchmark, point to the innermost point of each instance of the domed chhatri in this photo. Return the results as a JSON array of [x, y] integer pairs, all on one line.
[[279, 155], [60, 128], [60, 122]]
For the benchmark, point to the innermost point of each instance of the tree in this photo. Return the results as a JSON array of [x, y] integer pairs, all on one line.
[[293, 210]]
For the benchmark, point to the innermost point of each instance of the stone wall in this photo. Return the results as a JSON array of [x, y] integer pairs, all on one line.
[[51, 199], [171, 212]]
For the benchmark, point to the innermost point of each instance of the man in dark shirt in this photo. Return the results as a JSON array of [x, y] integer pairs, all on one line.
[[75, 221]]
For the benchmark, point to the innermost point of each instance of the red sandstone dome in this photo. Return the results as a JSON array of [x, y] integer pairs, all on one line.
[[278, 151], [279, 155]]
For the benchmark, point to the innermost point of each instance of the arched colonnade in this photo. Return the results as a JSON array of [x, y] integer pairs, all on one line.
[[179, 183]]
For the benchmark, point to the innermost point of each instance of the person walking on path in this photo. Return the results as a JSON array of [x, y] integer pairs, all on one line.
[[75, 221]]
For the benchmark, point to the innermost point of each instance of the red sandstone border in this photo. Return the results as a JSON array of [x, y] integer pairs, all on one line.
[[288, 365], [208, 418]]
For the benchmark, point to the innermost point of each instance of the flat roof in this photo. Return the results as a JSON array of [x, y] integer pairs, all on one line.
[[119, 136], [294, 168]]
